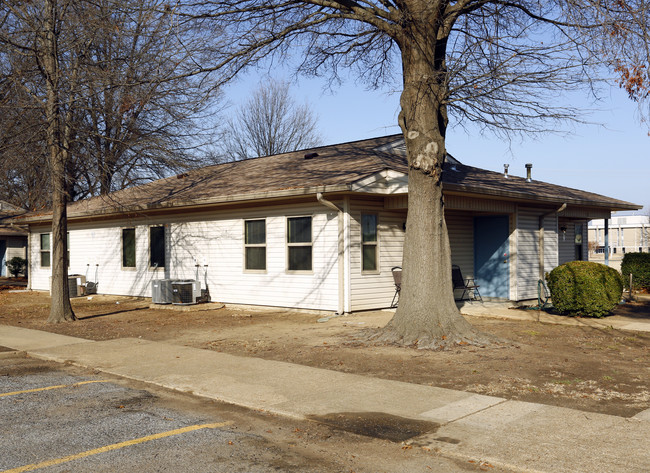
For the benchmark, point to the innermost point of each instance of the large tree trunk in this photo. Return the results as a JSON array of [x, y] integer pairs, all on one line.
[[427, 315], [60, 307]]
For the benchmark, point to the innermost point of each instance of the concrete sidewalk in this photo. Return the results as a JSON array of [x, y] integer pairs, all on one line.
[[506, 310], [512, 435]]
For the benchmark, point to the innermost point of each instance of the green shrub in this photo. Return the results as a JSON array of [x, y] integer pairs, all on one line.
[[585, 288], [16, 265], [639, 265]]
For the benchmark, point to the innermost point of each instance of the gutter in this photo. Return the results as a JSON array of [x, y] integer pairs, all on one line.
[[541, 237], [464, 190], [197, 203]]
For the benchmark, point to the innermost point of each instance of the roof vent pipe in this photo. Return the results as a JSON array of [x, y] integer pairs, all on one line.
[[529, 168], [505, 170]]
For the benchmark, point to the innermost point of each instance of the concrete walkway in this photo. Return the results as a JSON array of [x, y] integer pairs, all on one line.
[[506, 310], [513, 435]]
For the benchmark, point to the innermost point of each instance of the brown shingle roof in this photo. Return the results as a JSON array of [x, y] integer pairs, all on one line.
[[333, 168], [481, 181]]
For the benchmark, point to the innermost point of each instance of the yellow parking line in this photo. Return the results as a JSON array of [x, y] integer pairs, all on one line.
[[59, 386], [115, 446]]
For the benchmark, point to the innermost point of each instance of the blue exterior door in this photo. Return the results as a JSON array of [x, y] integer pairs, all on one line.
[[3, 257], [492, 255]]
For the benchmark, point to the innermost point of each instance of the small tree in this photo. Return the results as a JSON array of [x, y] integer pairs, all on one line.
[[269, 123], [16, 265]]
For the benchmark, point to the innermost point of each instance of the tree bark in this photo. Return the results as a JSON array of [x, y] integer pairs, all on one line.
[[60, 307], [427, 315]]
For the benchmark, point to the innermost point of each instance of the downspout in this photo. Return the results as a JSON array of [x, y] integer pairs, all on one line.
[[341, 249], [28, 267], [541, 238]]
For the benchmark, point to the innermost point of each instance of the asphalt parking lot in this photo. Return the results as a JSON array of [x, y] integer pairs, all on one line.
[[77, 422], [57, 418]]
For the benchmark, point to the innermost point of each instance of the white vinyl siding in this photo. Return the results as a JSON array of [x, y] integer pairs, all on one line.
[[550, 243], [460, 227], [528, 250], [374, 290], [527, 254], [566, 243], [215, 239]]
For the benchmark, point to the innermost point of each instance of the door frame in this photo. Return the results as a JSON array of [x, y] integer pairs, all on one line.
[[505, 224]]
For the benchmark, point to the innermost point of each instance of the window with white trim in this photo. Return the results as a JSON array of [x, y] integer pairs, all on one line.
[[128, 247], [46, 260], [255, 245], [369, 242], [299, 243], [157, 247]]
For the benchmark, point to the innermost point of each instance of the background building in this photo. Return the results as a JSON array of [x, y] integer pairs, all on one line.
[[626, 235]]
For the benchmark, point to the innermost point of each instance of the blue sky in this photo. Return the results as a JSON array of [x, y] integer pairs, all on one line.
[[611, 158]]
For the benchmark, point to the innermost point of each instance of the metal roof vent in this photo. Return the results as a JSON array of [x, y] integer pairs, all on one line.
[[505, 170], [311, 155], [529, 168]]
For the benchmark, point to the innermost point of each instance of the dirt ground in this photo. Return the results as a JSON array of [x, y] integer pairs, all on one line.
[[600, 370]]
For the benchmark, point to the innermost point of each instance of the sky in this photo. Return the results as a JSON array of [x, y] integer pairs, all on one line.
[[610, 157]]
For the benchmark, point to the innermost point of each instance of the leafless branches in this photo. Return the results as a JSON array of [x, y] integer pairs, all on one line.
[[132, 111], [269, 123], [506, 62]]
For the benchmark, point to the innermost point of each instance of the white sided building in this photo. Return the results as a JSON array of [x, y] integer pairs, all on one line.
[[317, 229]]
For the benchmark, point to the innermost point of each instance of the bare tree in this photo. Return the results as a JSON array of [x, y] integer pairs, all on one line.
[[137, 114], [270, 122], [22, 151], [58, 145], [501, 64], [112, 94], [143, 116]]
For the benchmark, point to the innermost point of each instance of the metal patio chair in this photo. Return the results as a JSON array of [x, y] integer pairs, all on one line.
[[468, 286], [397, 279]]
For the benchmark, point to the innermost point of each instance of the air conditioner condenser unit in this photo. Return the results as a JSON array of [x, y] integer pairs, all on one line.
[[185, 292], [161, 291]]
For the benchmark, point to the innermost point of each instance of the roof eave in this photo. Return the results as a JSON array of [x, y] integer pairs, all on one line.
[[620, 205], [194, 204]]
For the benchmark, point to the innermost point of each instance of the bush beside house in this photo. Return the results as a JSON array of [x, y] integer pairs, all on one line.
[[637, 264], [585, 288], [16, 266]]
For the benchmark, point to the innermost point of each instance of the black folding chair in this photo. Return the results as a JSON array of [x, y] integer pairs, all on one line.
[[468, 286], [397, 279]]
